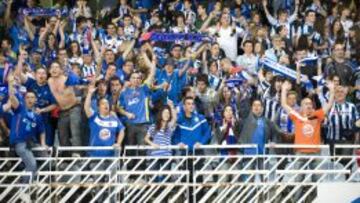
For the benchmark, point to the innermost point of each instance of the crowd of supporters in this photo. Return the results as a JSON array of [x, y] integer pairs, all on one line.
[[85, 75]]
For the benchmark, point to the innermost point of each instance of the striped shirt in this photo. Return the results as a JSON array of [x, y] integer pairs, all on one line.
[[306, 29], [271, 105], [162, 138], [89, 70], [284, 121], [341, 117]]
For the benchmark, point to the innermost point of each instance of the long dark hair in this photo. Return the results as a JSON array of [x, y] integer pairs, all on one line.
[[159, 117], [272, 86]]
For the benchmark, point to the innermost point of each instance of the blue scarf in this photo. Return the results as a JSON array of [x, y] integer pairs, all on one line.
[[45, 12], [172, 37]]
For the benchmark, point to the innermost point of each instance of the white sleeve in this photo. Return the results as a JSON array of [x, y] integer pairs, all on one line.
[[292, 18], [212, 30], [240, 32], [272, 20]]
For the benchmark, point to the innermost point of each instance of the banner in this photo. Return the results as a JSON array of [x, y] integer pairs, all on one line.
[[283, 70], [44, 12], [171, 37], [309, 60]]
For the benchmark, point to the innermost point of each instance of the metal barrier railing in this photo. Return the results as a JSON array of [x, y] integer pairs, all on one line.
[[208, 173]]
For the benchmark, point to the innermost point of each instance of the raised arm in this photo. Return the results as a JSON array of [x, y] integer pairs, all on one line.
[[173, 121], [62, 34], [87, 105], [8, 20], [151, 64], [298, 73], [185, 68], [42, 36], [329, 104], [286, 86], [293, 17], [270, 18], [14, 101], [57, 25], [206, 24], [129, 47], [29, 27], [19, 71]]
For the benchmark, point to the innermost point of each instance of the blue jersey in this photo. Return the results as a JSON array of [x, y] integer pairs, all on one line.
[[19, 36], [136, 101], [174, 81], [103, 132], [43, 93], [25, 125], [191, 130]]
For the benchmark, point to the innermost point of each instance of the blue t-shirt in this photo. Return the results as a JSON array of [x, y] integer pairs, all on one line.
[[174, 81], [43, 93], [136, 101], [258, 138], [25, 125], [103, 132], [19, 36]]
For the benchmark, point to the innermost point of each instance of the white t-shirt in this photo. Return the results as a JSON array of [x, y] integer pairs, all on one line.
[[227, 42], [248, 62]]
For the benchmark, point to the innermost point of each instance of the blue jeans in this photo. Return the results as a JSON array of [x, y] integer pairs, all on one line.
[[28, 158]]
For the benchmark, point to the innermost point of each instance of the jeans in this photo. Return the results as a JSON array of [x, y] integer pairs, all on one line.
[[28, 158], [69, 125]]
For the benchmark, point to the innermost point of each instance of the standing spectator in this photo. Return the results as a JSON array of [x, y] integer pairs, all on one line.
[[69, 123], [105, 128], [227, 34], [160, 134], [283, 18], [134, 104], [307, 127], [257, 129], [45, 101], [115, 90], [248, 60], [192, 128], [341, 122], [27, 127], [340, 66], [209, 97]]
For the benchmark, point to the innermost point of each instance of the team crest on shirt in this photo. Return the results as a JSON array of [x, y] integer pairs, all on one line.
[[104, 134], [308, 130], [33, 125], [196, 119]]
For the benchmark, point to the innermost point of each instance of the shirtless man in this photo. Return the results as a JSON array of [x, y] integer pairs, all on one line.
[[69, 122]]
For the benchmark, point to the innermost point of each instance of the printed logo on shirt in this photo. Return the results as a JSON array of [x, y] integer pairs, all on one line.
[[104, 134], [308, 130], [196, 119], [133, 101]]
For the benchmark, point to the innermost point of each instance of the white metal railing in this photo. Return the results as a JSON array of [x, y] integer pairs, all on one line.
[[203, 174]]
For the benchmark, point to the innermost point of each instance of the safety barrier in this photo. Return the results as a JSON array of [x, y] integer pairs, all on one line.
[[208, 173]]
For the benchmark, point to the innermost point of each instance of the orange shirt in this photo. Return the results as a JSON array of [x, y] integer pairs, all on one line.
[[308, 132]]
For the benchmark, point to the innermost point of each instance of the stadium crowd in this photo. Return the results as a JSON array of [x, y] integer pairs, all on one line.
[[187, 73]]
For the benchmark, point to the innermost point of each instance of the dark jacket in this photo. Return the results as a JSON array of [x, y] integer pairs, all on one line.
[[247, 129]]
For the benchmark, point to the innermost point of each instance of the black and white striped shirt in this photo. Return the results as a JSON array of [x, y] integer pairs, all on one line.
[[341, 118], [271, 105]]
